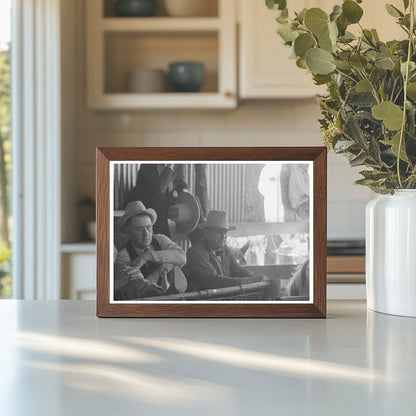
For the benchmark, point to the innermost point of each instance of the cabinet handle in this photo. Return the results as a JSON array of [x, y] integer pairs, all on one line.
[[229, 94]]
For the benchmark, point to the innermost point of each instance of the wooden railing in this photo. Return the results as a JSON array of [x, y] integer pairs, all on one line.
[[269, 290]]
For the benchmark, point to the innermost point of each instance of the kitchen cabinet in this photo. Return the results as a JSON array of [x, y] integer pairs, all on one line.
[[78, 263], [118, 45], [265, 70]]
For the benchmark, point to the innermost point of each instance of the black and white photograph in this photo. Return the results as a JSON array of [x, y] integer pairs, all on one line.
[[211, 231]]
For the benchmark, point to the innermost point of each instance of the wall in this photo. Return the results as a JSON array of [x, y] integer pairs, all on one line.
[[253, 123]]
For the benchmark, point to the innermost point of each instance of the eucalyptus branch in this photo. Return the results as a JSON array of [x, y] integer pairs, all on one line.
[[392, 91], [406, 79], [398, 95], [346, 75], [373, 88]]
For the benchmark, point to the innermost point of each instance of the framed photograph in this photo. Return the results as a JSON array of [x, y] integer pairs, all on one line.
[[211, 232]]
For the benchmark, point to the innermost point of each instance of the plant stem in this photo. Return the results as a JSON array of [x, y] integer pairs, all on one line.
[[373, 88], [406, 79], [346, 75]]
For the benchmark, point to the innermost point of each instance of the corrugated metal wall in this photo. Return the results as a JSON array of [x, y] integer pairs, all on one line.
[[226, 186], [125, 175], [227, 189]]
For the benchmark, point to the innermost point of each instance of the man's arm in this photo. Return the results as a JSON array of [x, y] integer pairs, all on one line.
[[120, 278], [130, 279], [170, 252], [203, 274]]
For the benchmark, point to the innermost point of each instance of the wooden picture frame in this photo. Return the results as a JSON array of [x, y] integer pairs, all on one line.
[[268, 301]]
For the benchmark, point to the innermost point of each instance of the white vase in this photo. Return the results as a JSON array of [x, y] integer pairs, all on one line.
[[391, 253]]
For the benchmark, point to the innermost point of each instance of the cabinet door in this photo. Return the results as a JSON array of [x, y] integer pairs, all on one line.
[[266, 71], [78, 276]]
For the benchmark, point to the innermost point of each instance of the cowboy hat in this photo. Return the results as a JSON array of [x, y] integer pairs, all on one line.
[[137, 208], [184, 212], [217, 219]]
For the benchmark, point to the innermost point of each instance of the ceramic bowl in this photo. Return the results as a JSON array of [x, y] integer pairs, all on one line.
[[186, 76], [135, 8], [147, 80]]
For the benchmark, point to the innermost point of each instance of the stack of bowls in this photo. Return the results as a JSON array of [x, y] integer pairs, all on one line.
[[147, 80]]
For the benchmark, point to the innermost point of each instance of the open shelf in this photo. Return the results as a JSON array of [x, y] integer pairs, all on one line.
[[210, 9], [160, 24], [126, 51], [118, 45]]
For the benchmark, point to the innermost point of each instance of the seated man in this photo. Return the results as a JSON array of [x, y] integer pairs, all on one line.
[[141, 266], [211, 263]]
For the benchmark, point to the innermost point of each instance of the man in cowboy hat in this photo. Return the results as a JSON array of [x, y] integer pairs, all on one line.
[[211, 263], [141, 265], [157, 185]]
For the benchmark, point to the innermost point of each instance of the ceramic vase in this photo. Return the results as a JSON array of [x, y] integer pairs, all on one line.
[[391, 253]]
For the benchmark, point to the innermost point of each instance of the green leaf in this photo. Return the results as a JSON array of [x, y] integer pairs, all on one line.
[[276, 4], [375, 35], [391, 114], [406, 4], [394, 144], [405, 21], [382, 89], [343, 145], [319, 61], [412, 67], [411, 90], [301, 15], [303, 43], [347, 37], [351, 11], [316, 20], [393, 11], [396, 70], [354, 132], [365, 182], [281, 19], [374, 174], [287, 33], [363, 86], [358, 61], [374, 150], [321, 79], [336, 12], [358, 160], [362, 99], [344, 65], [333, 32], [342, 25], [301, 63], [368, 36], [325, 42], [384, 62]]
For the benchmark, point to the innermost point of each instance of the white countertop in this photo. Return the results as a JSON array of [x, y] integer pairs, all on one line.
[[57, 358]]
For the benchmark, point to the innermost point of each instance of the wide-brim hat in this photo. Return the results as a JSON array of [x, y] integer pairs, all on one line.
[[136, 208], [217, 219], [184, 212]]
